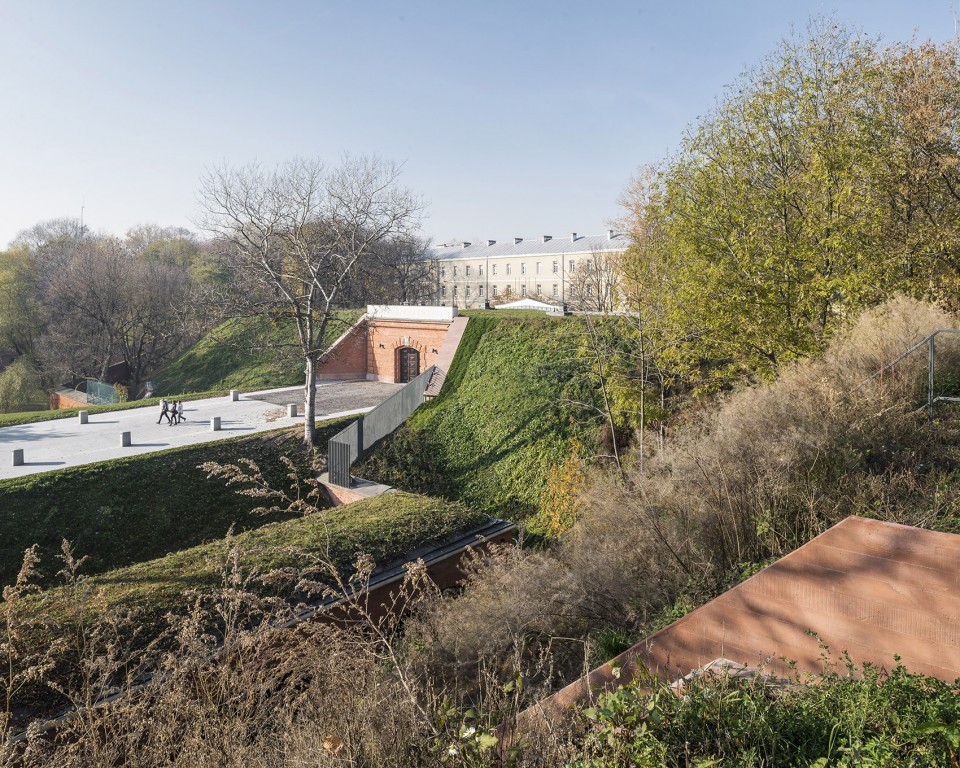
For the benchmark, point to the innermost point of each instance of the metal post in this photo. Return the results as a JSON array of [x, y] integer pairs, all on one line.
[[930, 378]]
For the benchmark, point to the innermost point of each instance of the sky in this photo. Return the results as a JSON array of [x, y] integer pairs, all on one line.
[[510, 119]]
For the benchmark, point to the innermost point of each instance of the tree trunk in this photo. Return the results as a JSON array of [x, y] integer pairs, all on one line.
[[310, 400]]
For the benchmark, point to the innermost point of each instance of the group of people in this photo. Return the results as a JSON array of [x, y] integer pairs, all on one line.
[[172, 412]]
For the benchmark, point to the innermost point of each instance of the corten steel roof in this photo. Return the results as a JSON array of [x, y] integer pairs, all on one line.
[[872, 589], [555, 246]]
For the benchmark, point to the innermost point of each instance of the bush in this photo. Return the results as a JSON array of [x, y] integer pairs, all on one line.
[[863, 717], [768, 469]]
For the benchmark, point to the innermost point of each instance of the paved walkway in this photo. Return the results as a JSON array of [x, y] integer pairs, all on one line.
[[59, 443]]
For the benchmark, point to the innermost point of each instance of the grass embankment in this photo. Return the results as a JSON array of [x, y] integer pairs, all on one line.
[[386, 528], [499, 424], [245, 353], [129, 510]]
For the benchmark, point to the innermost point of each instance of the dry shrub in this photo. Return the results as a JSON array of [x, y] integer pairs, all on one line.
[[232, 687], [769, 468]]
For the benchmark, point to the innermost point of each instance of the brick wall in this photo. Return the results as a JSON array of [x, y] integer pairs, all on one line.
[[60, 400], [387, 337], [348, 359], [371, 349]]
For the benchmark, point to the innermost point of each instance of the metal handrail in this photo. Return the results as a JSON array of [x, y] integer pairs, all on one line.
[[350, 443], [930, 342]]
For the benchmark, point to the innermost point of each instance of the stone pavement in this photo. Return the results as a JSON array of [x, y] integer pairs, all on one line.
[[59, 443]]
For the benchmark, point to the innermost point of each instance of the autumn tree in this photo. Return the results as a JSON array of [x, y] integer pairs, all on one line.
[[293, 236], [594, 284], [109, 304], [822, 183], [399, 270]]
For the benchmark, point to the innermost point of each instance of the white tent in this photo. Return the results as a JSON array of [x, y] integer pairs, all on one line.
[[532, 304]]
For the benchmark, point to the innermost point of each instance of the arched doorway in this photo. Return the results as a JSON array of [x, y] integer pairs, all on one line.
[[408, 364]]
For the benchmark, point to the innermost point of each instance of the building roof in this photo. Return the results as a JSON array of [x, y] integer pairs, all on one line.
[[540, 246], [872, 589]]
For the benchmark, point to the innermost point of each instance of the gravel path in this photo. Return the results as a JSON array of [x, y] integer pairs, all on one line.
[[333, 397]]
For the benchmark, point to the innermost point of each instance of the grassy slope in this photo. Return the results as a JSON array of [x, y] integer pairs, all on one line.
[[244, 353], [385, 527], [497, 427], [128, 510]]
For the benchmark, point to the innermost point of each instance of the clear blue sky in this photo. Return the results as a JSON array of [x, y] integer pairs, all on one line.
[[511, 118]]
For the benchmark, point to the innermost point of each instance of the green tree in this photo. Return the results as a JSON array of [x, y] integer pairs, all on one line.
[[21, 311], [821, 184]]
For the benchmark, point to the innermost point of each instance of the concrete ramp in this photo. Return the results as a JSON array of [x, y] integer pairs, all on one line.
[[447, 352]]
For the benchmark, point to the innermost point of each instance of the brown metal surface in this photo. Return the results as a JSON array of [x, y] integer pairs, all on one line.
[[871, 589]]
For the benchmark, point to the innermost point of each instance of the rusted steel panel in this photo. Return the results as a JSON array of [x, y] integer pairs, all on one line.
[[865, 587]]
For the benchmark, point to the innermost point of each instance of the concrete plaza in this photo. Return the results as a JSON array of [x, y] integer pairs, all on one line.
[[59, 443]]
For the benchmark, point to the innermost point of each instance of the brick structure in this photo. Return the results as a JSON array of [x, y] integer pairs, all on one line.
[[67, 398], [391, 344]]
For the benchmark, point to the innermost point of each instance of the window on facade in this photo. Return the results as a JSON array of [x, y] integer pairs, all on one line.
[[494, 290], [589, 263], [443, 272], [539, 289], [572, 266], [455, 271], [538, 267], [509, 268], [494, 269], [479, 290], [556, 267], [556, 290], [454, 291], [480, 270], [466, 271], [523, 290], [443, 291], [523, 269], [467, 291]]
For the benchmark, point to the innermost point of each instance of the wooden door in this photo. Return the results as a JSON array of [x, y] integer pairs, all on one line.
[[409, 364]]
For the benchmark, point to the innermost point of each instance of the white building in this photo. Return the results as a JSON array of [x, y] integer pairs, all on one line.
[[577, 270]]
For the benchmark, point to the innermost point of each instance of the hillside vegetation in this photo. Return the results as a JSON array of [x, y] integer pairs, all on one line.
[[504, 418], [244, 353], [760, 473]]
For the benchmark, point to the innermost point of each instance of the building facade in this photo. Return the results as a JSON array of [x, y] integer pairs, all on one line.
[[578, 271]]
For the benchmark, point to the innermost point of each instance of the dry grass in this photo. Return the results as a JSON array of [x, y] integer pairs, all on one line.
[[747, 481]]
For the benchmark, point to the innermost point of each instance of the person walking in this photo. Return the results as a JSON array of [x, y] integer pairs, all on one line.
[[173, 413], [180, 416], [163, 410]]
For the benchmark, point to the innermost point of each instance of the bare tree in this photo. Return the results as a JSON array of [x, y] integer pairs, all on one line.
[[294, 234], [110, 305], [594, 284]]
